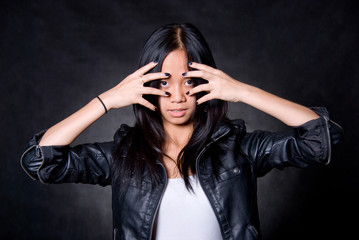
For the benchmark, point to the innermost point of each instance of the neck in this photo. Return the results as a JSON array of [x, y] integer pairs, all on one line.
[[178, 135]]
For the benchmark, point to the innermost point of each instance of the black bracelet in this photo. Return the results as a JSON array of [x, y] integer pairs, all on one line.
[[104, 106]]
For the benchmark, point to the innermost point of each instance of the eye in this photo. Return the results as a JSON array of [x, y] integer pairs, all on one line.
[[163, 84], [189, 82]]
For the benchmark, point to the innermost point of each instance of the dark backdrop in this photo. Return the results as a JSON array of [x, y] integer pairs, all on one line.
[[57, 55]]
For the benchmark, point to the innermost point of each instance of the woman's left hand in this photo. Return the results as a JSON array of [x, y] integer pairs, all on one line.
[[219, 86]]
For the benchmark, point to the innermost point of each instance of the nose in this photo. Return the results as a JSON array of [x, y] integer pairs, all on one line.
[[178, 94]]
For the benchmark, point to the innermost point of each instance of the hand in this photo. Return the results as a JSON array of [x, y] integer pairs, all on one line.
[[219, 86], [130, 90]]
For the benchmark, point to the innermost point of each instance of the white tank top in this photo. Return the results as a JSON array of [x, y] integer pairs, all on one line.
[[186, 215]]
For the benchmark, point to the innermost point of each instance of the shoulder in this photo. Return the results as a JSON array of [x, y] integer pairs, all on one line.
[[238, 124], [229, 128], [122, 132]]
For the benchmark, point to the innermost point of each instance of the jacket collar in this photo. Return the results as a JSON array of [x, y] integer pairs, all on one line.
[[227, 126], [223, 128]]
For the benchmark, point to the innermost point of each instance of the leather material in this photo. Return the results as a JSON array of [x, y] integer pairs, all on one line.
[[233, 195]]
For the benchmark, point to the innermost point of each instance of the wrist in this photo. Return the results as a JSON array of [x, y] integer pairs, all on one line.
[[106, 103], [103, 104], [243, 92]]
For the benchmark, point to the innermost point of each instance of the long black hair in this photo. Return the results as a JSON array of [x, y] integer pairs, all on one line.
[[143, 146]]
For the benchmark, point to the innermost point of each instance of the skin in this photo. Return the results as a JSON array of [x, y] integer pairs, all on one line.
[[222, 86], [176, 109], [129, 91], [181, 98]]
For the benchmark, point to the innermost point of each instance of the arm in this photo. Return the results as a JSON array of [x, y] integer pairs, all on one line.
[[127, 92], [50, 159], [290, 113], [85, 163], [222, 86], [309, 143], [306, 145]]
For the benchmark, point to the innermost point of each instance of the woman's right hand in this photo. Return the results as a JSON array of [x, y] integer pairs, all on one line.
[[131, 90]]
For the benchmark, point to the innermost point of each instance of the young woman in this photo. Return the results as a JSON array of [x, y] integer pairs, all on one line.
[[184, 171]]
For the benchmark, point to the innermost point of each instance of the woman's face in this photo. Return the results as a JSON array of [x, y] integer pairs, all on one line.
[[178, 108]]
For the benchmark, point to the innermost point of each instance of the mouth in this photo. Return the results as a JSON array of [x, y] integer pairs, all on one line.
[[177, 112]]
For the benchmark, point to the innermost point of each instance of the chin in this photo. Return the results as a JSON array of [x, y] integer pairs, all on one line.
[[183, 121], [180, 122]]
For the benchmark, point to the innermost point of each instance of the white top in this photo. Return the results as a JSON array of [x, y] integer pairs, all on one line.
[[185, 215]]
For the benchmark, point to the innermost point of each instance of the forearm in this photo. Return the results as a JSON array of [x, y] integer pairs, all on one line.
[[66, 131], [129, 91], [290, 113], [222, 86]]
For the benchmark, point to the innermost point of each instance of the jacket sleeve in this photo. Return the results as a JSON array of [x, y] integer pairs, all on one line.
[[308, 144], [85, 163]]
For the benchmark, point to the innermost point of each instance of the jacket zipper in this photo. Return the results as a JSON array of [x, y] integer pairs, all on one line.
[[254, 229], [22, 165], [39, 154], [329, 139], [329, 142], [163, 190], [158, 203], [200, 181]]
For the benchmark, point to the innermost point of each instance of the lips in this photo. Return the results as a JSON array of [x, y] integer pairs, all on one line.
[[177, 112]]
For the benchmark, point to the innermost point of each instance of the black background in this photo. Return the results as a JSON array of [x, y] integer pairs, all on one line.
[[57, 55]]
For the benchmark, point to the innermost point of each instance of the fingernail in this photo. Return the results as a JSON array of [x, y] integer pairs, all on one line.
[[196, 103], [155, 109], [187, 93], [167, 74], [155, 61], [184, 74], [189, 63], [167, 93]]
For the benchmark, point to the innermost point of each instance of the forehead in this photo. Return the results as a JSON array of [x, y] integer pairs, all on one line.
[[175, 61]]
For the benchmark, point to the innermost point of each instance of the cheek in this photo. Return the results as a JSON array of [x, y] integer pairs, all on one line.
[[192, 100], [161, 101]]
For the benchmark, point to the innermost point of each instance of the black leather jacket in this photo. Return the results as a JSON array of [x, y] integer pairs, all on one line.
[[244, 156]]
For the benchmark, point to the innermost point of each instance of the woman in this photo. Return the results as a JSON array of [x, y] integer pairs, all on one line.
[[184, 171]]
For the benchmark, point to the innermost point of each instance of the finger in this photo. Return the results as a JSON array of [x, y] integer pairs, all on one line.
[[202, 67], [205, 98], [200, 88], [147, 104], [154, 91], [199, 74], [141, 71], [154, 76]]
